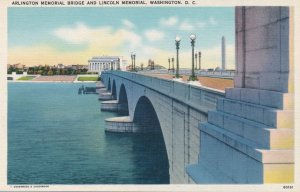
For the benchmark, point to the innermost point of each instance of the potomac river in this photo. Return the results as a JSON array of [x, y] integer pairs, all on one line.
[[56, 136]]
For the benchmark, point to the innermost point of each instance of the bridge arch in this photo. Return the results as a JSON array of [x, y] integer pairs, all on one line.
[[109, 85], [146, 120], [145, 116], [123, 101], [114, 90]]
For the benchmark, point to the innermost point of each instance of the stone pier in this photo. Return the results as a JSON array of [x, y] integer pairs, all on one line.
[[111, 105], [105, 96], [100, 87], [102, 90], [120, 125]]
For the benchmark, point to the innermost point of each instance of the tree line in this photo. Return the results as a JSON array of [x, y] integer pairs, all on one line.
[[47, 70]]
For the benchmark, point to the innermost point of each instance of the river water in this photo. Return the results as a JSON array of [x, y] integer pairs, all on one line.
[[56, 136]]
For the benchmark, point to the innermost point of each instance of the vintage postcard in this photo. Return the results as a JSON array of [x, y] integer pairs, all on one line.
[[164, 95]]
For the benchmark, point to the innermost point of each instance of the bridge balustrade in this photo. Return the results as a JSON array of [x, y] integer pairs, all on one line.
[[197, 97]]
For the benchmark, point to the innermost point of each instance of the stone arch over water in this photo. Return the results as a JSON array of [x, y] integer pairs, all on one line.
[[146, 120], [145, 116], [109, 85], [123, 101], [114, 90]]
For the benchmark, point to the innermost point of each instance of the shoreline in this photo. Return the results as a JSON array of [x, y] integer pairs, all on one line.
[[20, 81]]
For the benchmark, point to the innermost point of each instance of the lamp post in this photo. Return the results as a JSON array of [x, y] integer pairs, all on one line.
[[177, 43], [119, 63], [169, 60], [133, 61], [199, 54], [196, 61], [193, 39], [173, 64]]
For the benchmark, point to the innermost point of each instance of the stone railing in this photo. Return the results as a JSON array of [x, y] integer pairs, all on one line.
[[197, 97], [219, 74]]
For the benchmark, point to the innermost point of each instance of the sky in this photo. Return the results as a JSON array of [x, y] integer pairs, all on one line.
[[74, 35]]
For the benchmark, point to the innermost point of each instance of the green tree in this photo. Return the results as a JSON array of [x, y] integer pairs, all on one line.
[[50, 72]]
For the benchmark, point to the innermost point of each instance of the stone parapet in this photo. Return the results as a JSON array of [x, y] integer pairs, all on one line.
[[200, 98], [266, 98], [242, 136]]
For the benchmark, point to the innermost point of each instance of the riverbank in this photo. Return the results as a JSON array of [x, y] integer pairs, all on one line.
[[59, 79]]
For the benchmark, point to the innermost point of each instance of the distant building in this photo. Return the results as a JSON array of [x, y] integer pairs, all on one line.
[[17, 66], [103, 63], [60, 66]]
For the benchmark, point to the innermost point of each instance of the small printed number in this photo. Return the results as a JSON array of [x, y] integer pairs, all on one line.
[[288, 187]]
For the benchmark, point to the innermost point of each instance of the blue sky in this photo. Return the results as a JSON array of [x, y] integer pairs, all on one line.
[[73, 35]]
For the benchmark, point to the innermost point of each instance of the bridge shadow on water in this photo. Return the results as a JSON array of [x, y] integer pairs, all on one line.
[[146, 158], [145, 150]]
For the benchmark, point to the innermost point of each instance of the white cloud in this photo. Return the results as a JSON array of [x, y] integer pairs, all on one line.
[[154, 35], [186, 26], [128, 23], [201, 24], [103, 40], [212, 21], [171, 21], [100, 36], [76, 35]]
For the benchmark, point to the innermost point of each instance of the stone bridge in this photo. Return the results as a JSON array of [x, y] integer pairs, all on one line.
[[245, 135], [154, 104]]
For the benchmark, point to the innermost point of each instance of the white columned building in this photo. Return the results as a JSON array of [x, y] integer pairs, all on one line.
[[103, 63]]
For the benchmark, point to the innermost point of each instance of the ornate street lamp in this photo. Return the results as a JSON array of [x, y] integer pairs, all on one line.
[[173, 64], [177, 43], [193, 39], [133, 61], [118, 63], [196, 61], [199, 54], [169, 60]]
